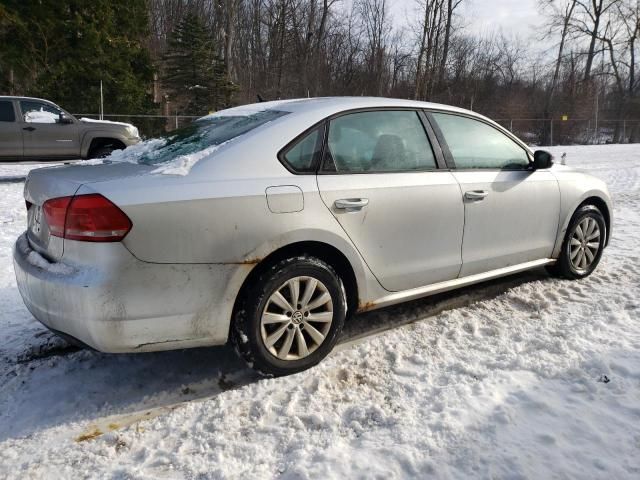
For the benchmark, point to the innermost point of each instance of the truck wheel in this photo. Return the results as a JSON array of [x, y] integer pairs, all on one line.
[[102, 152]]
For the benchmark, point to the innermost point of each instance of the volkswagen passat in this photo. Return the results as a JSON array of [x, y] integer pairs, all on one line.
[[267, 225]]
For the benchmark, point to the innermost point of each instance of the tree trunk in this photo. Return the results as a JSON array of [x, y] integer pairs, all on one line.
[[556, 73], [447, 38], [421, 52], [597, 13], [319, 39], [229, 37]]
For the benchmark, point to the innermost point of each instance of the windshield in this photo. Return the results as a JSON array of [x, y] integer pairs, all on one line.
[[202, 134]]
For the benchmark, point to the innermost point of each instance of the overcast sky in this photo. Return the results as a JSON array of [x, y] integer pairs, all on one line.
[[512, 16]]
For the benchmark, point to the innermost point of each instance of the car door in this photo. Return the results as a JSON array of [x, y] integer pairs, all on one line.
[[44, 135], [381, 181], [10, 133], [511, 211]]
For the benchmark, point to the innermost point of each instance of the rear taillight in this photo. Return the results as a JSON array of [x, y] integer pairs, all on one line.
[[55, 211], [89, 218]]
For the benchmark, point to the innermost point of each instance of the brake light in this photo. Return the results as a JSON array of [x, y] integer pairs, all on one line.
[[55, 211], [88, 218]]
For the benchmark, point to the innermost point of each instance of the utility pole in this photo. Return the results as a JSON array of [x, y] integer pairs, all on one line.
[[597, 99], [101, 102]]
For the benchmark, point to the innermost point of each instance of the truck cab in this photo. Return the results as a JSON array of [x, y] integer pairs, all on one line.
[[36, 130]]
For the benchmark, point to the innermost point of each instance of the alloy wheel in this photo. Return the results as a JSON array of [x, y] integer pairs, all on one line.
[[297, 318], [584, 244]]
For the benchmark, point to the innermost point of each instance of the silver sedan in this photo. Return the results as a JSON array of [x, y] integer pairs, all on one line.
[[268, 225]]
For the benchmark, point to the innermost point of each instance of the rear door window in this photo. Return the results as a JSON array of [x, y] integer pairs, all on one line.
[[377, 142], [6, 111]]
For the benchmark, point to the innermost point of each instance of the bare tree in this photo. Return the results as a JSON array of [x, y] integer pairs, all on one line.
[[377, 28], [589, 23], [560, 18]]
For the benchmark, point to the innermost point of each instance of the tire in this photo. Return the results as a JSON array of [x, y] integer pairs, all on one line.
[[252, 335], [574, 249], [102, 152]]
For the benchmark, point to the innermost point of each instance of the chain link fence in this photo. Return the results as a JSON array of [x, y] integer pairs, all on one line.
[[534, 131], [573, 131]]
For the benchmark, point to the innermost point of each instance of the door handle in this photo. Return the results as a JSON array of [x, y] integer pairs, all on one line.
[[29, 129], [476, 194], [351, 204]]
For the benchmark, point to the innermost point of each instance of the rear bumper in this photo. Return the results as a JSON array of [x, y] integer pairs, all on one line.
[[121, 304]]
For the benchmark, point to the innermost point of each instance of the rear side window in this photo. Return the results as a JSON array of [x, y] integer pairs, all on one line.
[[303, 155], [377, 142], [6, 112], [474, 144]]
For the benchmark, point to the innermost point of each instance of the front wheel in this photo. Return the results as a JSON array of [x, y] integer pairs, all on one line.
[[583, 244], [102, 152], [290, 316]]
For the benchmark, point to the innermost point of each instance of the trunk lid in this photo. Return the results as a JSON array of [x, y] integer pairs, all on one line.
[[46, 183]]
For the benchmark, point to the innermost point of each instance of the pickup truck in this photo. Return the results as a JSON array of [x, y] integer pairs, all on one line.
[[36, 130]]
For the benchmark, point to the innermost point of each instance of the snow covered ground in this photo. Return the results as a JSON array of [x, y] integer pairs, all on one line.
[[526, 377]]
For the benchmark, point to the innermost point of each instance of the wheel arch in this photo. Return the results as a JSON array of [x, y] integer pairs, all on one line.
[[321, 250], [594, 198], [100, 142], [601, 205]]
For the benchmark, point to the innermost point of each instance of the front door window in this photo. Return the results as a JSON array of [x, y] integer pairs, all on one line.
[[476, 145], [39, 112]]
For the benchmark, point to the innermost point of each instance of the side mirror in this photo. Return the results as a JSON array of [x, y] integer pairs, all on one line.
[[64, 120], [542, 160]]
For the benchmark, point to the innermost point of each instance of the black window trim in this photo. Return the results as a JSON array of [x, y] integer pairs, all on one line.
[[439, 162], [324, 123], [293, 143], [13, 106], [447, 152]]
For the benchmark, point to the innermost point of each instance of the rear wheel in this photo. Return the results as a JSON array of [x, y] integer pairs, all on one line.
[[290, 316], [583, 244]]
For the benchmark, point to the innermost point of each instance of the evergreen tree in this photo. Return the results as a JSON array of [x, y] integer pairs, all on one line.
[[62, 49], [194, 75]]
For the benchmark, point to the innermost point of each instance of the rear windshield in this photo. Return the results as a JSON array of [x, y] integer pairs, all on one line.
[[204, 133]]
